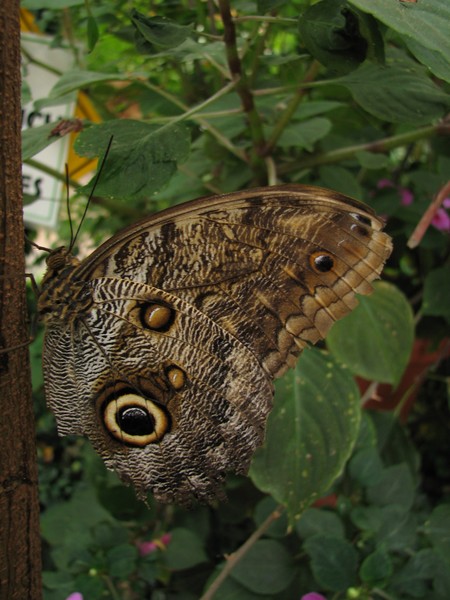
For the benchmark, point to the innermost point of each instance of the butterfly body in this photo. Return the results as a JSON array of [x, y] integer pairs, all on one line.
[[162, 345]]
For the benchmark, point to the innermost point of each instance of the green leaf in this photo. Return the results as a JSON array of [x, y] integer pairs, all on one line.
[[263, 509], [310, 434], [437, 529], [395, 486], [375, 340], [391, 526], [376, 568], [158, 33], [436, 293], [75, 80], [305, 134], [339, 36], [432, 59], [366, 467], [122, 560], [75, 517], [413, 579], [425, 21], [334, 562], [340, 179], [396, 93], [35, 139], [92, 32], [232, 590], [372, 160], [185, 550], [267, 568], [50, 4], [264, 6], [316, 520], [142, 157], [441, 580]]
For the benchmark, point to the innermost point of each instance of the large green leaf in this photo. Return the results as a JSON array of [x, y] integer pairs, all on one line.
[[437, 529], [375, 340], [305, 134], [267, 568], [75, 80], [339, 36], [334, 561], [436, 293], [185, 550], [396, 93], [158, 33], [310, 434], [35, 139], [425, 21], [142, 157], [50, 4]]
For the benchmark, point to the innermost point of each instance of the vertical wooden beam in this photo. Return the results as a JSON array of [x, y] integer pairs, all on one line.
[[20, 563]]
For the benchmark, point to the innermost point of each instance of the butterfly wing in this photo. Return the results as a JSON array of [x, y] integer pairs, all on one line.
[[192, 313]]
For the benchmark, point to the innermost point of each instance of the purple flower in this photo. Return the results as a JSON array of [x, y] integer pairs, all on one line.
[[406, 196], [381, 185], [313, 596], [441, 220], [148, 547], [75, 596]]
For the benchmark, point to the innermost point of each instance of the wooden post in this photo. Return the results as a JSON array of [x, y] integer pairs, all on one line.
[[20, 564]]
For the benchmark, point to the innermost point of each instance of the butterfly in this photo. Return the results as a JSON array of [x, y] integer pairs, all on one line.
[[162, 346]]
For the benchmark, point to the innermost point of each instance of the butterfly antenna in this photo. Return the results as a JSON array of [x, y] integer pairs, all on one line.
[[37, 246], [68, 208], [96, 180]]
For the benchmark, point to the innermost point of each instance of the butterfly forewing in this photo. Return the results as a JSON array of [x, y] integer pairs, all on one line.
[[166, 360]]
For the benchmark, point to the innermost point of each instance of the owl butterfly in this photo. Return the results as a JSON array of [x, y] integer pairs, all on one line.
[[162, 346]]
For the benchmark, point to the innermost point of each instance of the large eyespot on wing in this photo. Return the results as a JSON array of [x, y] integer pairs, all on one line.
[[132, 418]]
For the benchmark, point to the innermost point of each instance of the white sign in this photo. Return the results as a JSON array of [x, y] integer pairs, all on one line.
[[47, 190]]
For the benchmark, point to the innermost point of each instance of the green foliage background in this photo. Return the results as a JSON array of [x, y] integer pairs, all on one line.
[[348, 94]]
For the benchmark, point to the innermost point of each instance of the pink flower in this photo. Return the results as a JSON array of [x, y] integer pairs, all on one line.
[[381, 185], [75, 596], [313, 596], [406, 196], [441, 220], [158, 544]]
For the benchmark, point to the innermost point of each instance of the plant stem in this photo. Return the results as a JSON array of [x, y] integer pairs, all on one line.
[[223, 141], [242, 88], [234, 558], [427, 217], [379, 146], [266, 19], [286, 117]]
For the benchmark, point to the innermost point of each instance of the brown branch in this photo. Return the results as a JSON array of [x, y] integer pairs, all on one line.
[[427, 217], [242, 88], [234, 558]]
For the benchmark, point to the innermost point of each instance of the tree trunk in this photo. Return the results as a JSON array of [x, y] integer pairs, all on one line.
[[19, 506]]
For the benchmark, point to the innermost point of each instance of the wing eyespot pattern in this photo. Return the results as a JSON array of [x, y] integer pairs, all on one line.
[[133, 419], [156, 316], [176, 377], [321, 262], [362, 219]]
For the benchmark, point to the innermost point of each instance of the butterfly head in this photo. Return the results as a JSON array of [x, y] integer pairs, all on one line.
[[60, 292], [60, 258]]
